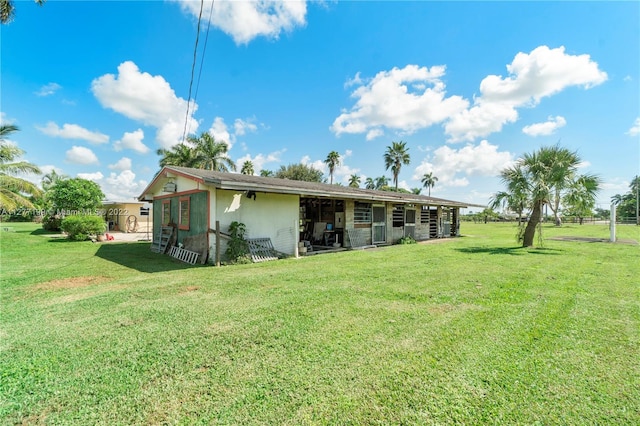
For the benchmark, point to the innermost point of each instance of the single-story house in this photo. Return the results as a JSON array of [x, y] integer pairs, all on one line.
[[127, 216], [288, 212]]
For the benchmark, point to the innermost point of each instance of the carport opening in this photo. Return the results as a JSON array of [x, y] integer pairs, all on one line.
[[321, 224]]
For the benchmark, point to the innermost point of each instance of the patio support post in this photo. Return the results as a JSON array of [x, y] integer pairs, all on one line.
[[217, 243]]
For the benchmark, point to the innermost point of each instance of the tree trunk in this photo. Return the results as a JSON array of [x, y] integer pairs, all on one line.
[[534, 220]]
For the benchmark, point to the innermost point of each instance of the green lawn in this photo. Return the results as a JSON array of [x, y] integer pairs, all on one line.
[[467, 331]]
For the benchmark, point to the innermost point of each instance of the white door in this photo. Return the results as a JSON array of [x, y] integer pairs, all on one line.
[[378, 224]]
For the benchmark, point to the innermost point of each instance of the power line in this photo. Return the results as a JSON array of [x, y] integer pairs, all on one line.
[[204, 50], [193, 67]]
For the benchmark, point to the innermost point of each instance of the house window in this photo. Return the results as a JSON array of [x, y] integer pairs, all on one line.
[[183, 220], [398, 215], [410, 217], [424, 214], [166, 212], [362, 213]]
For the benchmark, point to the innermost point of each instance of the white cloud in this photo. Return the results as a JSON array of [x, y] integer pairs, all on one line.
[[48, 89], [221, 133], [73, 131], [449, 164], [541, 73], [246, 20], [117, 186], [133, 141], [635, 129], [147, 99], [355, 81], [374, 133], [122, 164], [406, 100], [243, 126], [627, 78], [123, 186], [260, 160], [317, 164], [4, 120], [544, 129], [81, 155], [95, 177]]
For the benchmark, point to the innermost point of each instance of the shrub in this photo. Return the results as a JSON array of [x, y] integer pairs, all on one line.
[[237, 247], [51, 222], [407, 240], [79, 228]]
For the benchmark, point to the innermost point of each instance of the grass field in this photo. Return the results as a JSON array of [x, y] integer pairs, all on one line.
[[473, 330]]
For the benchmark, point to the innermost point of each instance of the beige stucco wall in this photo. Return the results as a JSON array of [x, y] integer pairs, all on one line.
[[273, 216], [118, 213]]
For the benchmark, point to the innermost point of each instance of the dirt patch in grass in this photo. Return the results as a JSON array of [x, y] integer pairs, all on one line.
[[594, 240], [448, 307], [437, 240], [66, 283]]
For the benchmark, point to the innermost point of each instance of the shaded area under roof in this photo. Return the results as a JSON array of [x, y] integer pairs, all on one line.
[[241, 182]]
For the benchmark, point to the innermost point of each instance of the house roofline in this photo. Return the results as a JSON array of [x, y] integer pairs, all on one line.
[[303, 189]]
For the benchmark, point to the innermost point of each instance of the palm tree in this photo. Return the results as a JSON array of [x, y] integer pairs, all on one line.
[[332, 161], [179, 155], [617, 199], [515, 197], [395, 156], [429, 181], [354, 181], [13, 190], [369, 183], [381, 181], [51, 178], [266, 173], [539, 177], [7, 10], [210, 154], [561, 174], [247, 168], [581, 195]]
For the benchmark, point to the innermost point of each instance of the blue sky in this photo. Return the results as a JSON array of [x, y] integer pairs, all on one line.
[[97, 87]]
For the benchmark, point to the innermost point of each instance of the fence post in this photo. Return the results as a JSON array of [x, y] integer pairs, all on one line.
[[217, 243]]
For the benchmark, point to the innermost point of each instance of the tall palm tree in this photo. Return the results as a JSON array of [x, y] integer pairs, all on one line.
[[354, 181], [210, 154], [247, 168], [429, 181], [381, 182], [369, 183], [13, 189], [179, 155], [332, 161], [396, 155]]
